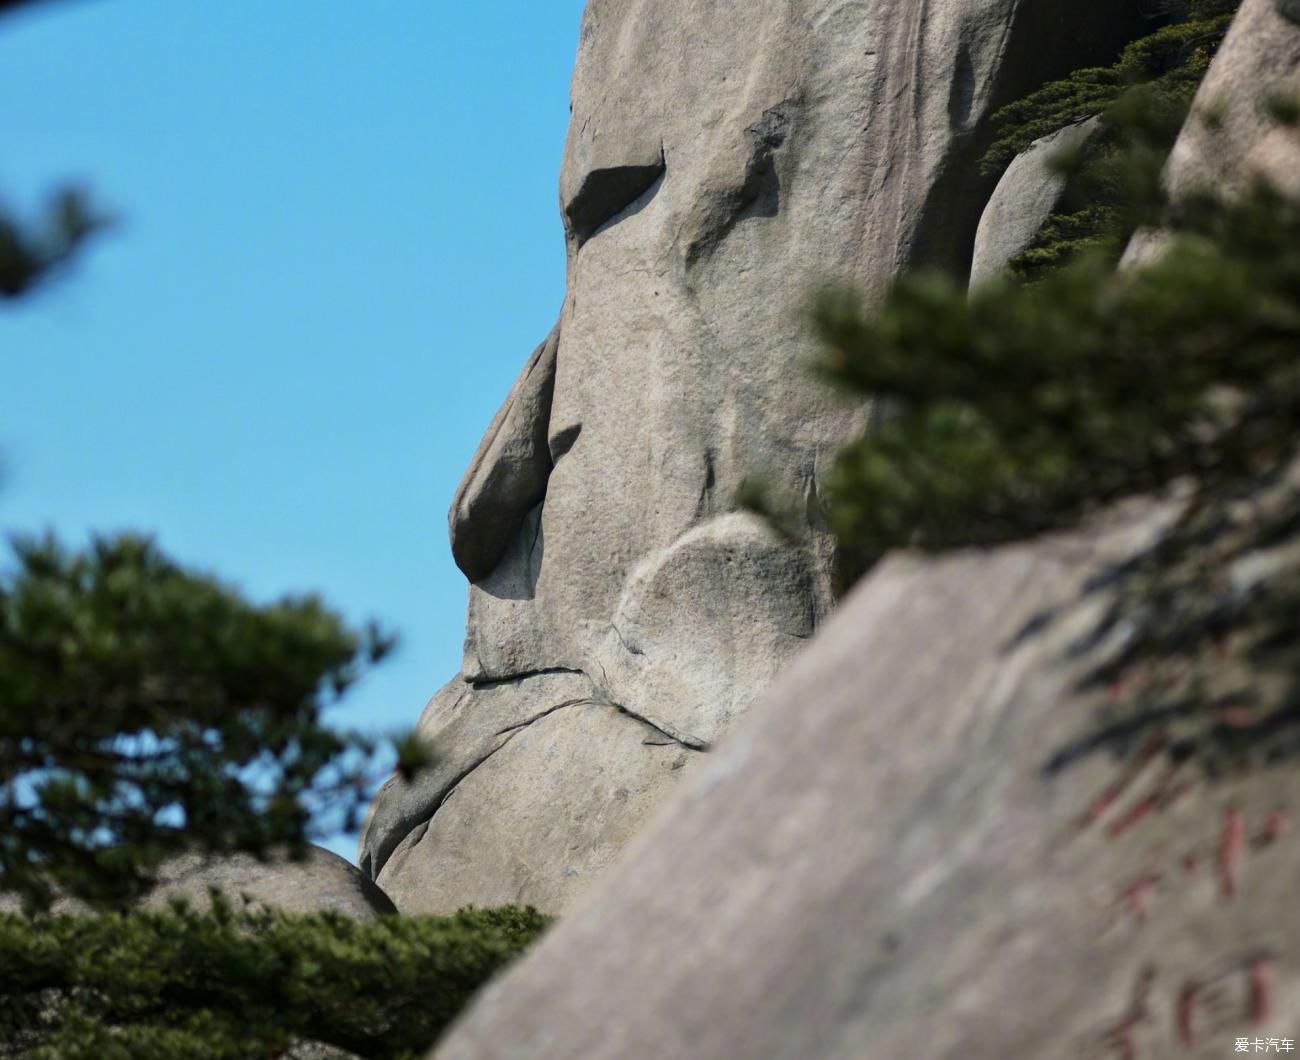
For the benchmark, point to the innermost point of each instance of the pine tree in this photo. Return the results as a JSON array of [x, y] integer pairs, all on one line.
[[1141, 101], [147, 710], [1020, 408]]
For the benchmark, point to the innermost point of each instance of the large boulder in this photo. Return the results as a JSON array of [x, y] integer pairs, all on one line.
[[1026, 196], [929, 840], [542, 782], [319, 882], [1232, 139], [723, 159]]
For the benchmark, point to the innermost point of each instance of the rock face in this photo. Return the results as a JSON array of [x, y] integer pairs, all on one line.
[[1025, 197], [542, 783], [918, 844], [1231, 141], [722, 160], [322, 882], [940, 833]]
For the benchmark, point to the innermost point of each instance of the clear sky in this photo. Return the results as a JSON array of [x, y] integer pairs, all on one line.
[[339, 241]]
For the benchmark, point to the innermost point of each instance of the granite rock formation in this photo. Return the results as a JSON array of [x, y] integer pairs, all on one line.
[[945, 857], [915, 845], [322, 882], [722, 160], [1028, 192], [319, 882], [1231, 140]]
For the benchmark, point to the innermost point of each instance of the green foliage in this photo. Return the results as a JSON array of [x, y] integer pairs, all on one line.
[[1016, 409], [1176, 56], [1113, 182], [1021, 409], [234, 985], [1142, 101], [29, 254], [757, 495], [145, 709]]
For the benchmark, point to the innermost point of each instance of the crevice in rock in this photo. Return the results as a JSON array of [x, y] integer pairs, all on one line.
[[546, 713], [758, 191], [509, 733], [563, 440], [511, 679], [419, 831], [607, 194], [372, 863], [630, 649], [692, 743], [704, 505], [961, 93], [673, 735], [373, 866]]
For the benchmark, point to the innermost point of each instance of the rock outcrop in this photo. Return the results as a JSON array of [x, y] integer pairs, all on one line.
[[321, 882], [941, 833], [1027, 194], [1232, 140], [722, 160], [922, 843]]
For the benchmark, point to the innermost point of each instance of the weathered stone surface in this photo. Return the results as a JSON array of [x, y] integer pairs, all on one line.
[[1230, 141], [548, 809], [467, 724], [1025, 197], [703, 626], [508, 473], [321, 882], [539, 782], [723, 159], [915, 846]]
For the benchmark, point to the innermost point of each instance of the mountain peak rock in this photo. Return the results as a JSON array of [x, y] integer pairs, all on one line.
[[723, 160]]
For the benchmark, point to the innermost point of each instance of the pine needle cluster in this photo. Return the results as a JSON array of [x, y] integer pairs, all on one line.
[[1017, 409], [1142, 101], [31, 253], [1175, 56], [146, 710], [230, 985]]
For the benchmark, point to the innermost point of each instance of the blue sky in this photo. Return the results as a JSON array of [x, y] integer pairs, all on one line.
[[339, 241]]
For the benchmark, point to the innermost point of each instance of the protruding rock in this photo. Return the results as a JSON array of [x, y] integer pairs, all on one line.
[[918, 844], [1029, 191], [1232, 140], [723, 160], [538, 819], [703, 627], [508, 473], [320, 882]]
